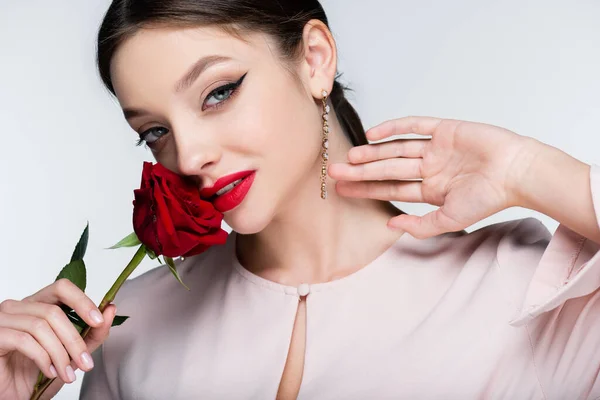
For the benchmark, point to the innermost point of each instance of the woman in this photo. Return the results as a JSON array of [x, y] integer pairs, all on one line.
[[324, 291]]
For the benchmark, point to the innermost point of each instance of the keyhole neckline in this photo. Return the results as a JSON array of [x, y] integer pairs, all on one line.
[[387, 256]]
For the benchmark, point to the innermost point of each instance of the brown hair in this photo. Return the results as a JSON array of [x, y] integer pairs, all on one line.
[[284, 20]]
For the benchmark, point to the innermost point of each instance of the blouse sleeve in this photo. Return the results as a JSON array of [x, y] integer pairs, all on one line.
[[569, 268], [560, 307]]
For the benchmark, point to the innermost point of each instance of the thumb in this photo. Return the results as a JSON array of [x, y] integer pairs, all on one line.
[[98, 335]]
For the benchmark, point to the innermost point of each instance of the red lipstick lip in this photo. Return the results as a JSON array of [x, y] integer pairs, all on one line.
[[207, 193]]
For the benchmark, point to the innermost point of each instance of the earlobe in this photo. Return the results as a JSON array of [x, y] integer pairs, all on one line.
[[320, 56]]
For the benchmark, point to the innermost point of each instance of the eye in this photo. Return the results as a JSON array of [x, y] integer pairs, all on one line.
[[222, 94], [152, 135]]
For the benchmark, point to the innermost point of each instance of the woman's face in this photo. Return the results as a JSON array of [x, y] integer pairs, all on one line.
[[239, 111]]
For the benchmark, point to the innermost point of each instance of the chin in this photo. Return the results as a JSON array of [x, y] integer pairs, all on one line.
[[246, 222]]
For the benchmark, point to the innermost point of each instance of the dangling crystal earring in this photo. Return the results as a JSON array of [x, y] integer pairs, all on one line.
[[324, 153]]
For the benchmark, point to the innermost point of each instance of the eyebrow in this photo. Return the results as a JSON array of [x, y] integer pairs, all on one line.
[[198, 68], [186, 81]]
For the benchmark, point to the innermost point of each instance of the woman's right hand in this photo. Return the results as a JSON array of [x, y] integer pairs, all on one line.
[[36, 334]]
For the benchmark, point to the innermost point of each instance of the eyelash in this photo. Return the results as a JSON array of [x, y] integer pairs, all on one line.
[[234, 87]]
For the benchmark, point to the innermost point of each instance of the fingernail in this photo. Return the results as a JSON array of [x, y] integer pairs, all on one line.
[[71, 374], [96, 316], [53, 371], [87, 360]]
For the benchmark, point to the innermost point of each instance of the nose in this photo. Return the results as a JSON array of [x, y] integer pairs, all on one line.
[[197, 156]]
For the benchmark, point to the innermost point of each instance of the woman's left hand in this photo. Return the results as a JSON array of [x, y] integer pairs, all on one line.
[[470, 170]]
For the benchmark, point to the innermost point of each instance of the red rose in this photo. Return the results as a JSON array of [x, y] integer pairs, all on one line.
[[170, 218]]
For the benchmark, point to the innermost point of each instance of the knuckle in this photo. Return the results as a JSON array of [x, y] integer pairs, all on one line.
[[75, 340], [416, 169], [384, 170], [39, 325], [398, 149], [54, 312], [63, 285], [28, 299], [393, 191], [6, 305], [22, 338], [397, 169], [393, 169], [362, 172], [83, 299], [413, 123]]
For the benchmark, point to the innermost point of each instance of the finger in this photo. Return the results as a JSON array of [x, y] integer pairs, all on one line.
[[429, 225], [66, 292], [409, 148], [43, 334], [12, 340], [60, 324], [98, 335], [409, 192], [390, 169], [401, 126]]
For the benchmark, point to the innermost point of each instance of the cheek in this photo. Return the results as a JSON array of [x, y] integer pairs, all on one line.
[[298, 137], [281, 126]]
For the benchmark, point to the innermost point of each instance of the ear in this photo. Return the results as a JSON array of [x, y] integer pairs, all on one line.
[[320, 57]]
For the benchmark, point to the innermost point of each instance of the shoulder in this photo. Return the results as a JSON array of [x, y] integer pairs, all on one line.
[[156, 292], [155, 300], [493, 241], [519, 240], [160, 280], [518, 243], [524, 230]]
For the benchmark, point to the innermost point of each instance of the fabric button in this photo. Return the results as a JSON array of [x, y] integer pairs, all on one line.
[[303, 289]]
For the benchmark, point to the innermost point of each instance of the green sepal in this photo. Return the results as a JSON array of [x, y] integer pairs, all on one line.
[[40, 379], [81, 247], [171, 265], [75, 272], [130, 240], [150, 253]]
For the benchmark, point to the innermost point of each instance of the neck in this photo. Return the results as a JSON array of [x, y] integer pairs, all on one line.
[[313, 240]]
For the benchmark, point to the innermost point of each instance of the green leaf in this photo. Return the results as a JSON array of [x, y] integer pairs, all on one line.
[[66, 308], [171, 265], [81, 247], [118, 320], [128, 241], [75, 272], [80, 324]]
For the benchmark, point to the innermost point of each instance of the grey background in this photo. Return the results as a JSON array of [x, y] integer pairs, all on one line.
[[68, 156]]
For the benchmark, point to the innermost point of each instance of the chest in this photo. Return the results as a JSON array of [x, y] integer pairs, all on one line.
[[328, 347]]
